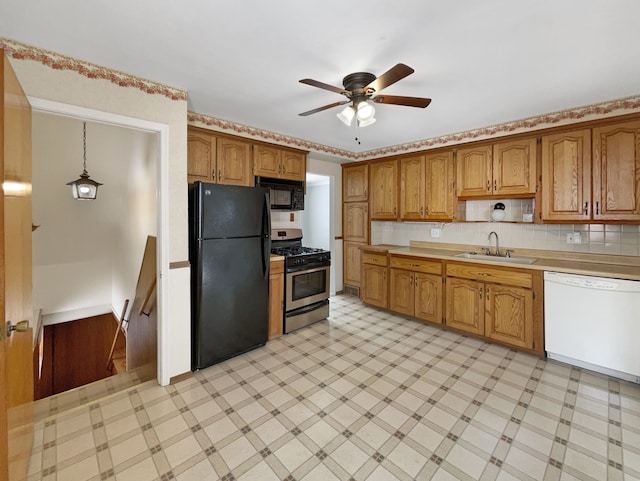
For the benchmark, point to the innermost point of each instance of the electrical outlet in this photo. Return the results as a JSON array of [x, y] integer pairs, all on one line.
[[291, 217], [435, 232], [574, 238]]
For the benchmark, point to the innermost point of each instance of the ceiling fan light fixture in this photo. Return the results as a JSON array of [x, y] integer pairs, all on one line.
[[364, 123], [346, 115], [365, 111]]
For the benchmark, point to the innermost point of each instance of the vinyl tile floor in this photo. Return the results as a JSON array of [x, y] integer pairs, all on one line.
[[365, 395]]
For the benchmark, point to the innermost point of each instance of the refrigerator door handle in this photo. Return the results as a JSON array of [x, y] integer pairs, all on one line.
[[266, 236]]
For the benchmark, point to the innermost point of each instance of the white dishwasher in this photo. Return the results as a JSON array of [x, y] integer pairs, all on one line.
[[593, 322]]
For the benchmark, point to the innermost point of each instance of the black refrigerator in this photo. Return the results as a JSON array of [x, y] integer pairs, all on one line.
[[229, 250]]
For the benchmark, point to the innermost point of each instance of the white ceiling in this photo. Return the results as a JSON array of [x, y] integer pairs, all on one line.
[[482, 62]]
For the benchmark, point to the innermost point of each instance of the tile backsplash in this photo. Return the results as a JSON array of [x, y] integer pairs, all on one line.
[[596, 238]]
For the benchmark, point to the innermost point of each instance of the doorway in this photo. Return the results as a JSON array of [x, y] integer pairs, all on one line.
[[318, 217], [87, 254], [139, 183]]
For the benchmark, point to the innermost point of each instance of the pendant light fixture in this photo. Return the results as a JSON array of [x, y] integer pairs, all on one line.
[[84, 188]]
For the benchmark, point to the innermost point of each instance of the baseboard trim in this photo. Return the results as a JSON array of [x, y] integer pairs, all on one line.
[[180, 377]]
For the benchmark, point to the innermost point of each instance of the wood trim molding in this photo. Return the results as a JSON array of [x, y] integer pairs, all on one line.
[[179, 265]]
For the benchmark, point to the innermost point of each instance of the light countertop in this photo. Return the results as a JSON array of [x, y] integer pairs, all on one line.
[[620, 267]]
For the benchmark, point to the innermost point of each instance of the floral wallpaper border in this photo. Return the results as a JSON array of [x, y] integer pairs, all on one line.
[[600, 110], [57, 61]]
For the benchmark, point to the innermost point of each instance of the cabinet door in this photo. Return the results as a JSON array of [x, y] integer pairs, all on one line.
[[439, 186], [428, 297], [384, 190], [294, 165], [266, 161], [566, 176], [276, 299], [509, 315], [616, 172], [356, 222], [374, 285], [355, 183], [201, 157], [514, 167], [412, 188], [465, 305], [352, 267], [401, 289], [234, 162], [473, 171]]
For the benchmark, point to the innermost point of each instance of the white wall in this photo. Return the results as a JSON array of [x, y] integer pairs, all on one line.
[[334, 172], [133, 106], [316, 218], [87, 254]]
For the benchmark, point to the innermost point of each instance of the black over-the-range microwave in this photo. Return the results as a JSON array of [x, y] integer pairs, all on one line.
[[283, 194]]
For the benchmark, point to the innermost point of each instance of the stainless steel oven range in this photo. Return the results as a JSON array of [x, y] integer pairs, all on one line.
[[306, 285]]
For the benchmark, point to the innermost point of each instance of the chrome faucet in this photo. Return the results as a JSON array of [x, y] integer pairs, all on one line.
[[497, 244]]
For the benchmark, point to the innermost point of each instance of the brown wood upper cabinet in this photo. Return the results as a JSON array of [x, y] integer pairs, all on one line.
[[592, 175], [566, 176], [504, 169], [616, 172], [219, 160], [278, 163], [355, 183], [383, 195], [426, 187]]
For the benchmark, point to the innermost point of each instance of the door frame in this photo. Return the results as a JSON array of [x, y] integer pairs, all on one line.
[[162, 170]]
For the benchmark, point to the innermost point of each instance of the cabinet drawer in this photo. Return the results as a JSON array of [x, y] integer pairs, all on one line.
[[416, 264], [490, 274], [376, 259]]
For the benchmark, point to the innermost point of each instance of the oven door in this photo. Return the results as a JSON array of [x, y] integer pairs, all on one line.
[[306, 287]]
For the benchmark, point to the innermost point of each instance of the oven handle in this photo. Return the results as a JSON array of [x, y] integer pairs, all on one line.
[[266, 236], [308, 271]]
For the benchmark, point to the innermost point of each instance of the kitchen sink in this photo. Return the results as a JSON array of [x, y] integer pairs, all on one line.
[[493, 258]]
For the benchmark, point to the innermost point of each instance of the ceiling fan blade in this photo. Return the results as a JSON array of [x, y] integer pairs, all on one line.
[[331, 88], [325, 107], [399, 100], [391, 76]]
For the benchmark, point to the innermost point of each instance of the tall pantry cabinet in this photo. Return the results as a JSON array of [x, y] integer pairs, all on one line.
[[355, 220]]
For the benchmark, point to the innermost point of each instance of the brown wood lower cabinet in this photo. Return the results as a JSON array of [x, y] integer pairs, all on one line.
[[375, 288], [501, 304], [495, 303], [276, 298], [352, 263], [416, 287]]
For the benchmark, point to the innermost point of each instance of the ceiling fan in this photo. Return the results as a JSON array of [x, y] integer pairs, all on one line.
[[360, 88]]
